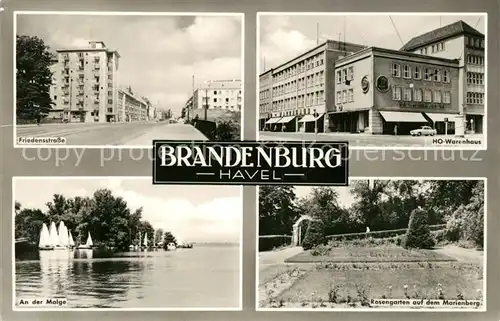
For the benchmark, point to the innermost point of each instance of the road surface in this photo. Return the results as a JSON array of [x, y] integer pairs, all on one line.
[[121, 134], [368, 140]]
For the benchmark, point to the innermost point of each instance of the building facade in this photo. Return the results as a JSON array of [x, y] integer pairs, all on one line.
[[85, 83], [460, 41], [300, 87], [131, 107], [382, 91], [218, 94]]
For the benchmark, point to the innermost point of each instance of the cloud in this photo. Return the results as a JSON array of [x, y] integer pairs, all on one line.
[[159, 54]]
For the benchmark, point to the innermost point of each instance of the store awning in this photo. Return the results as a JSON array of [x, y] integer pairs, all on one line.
[[273, 120], [440, 117], [396, 116], [308, 118], [285, 120]]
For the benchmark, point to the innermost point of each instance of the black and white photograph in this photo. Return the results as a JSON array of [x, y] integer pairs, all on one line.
[[120, 243], [379, 244], [415, 81], [122, 79]]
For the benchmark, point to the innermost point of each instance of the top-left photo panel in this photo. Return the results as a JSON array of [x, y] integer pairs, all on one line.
[[123, 79]]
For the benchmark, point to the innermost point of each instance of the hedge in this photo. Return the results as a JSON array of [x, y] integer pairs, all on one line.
[[270, 242]]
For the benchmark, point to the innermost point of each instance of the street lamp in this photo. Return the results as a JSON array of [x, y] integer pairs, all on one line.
[[315, 114]]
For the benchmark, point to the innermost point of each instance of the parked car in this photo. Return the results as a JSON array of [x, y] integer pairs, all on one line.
[[424, 130]]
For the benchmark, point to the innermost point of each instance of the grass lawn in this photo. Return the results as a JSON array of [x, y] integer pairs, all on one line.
[[351, 276], [390, 253]]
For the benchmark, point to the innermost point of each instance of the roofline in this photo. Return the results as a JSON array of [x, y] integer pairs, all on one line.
[[397, 52], [88, 50], [453, 35]]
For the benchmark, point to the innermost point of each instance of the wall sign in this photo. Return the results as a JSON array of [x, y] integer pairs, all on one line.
[[365, 84], [382, 84], [412, 104]]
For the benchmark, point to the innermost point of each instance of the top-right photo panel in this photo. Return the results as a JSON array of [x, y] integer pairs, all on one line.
[[376, 80]]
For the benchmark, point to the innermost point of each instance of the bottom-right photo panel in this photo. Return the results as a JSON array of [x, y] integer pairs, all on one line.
[[394, 244]]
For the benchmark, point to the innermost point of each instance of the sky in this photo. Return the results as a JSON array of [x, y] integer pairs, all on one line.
[[298, 33], [159, 54], [191, 213]]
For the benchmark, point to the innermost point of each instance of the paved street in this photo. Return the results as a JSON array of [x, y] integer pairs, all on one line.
[[367, 140], [122, 134]]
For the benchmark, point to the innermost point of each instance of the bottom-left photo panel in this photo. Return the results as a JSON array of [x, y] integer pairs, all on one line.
[[122, 243]]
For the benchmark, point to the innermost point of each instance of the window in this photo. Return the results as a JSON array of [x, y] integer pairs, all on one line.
[[407, 94], [437, 75], [417, 94], [344, 73], [437, 96], [344, 96], [446, 76], [396, 93], [427, 74], [406, 72], [351, 95], [433, 48], [396, 70], [339, 96], [425, 51], [215, 100], [428, 96], [417, 73], [446, 97], [351, 73], [215, 92], [339, 77]]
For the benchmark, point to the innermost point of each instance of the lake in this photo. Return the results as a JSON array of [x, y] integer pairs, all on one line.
[[205, 276]]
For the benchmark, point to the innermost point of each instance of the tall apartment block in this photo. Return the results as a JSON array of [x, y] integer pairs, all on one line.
[[85, 83], [460, 41], [218, 94]]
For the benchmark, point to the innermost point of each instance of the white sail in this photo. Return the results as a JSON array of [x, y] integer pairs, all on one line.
[[44, 236], [54, 237], [63, 234], [71, 241], [146, 239], [89, 240]]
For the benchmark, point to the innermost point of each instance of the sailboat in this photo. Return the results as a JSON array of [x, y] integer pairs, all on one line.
[[62, 236], [54, 237], [45, 242], [145, 240], [87, 245], [71, 241]]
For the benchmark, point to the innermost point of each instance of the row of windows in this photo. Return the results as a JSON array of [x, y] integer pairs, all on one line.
[[303, 66], [475, 98], [434, 48], [229, 91], [474, 42], [227, 99], [475, 60], [302, 83], [345, 96], [475, 78], [429, 74], [344, 75], [297, 112], [225, 107], [407, 94], [264, 94], [300, 101]]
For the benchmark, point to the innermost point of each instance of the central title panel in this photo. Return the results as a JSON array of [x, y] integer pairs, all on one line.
[[250, 163]]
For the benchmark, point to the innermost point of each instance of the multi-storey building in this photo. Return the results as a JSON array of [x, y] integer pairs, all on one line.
[[460, 41], [85, 82], [302, 86], [218, 94], [130, 107], [385, 91]]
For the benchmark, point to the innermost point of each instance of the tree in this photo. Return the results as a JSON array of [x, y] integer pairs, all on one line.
[[168, 238], [277, 210], [159, 235], [28, 223], [368, 197], [444, 197], [17, 207], [418, 234], [147, 229], [33, 78], [315, 235]]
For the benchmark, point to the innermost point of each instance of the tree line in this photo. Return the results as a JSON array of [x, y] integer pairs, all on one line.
[[108, 218], [379, 205]]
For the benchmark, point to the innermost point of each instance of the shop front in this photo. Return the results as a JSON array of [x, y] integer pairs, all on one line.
[[311, 124], [354, 121], [270, 124], [401, 123], [286, 124], [474, 123], [442, 123]]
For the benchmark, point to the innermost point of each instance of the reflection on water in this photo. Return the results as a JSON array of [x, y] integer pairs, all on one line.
[[199, 277]]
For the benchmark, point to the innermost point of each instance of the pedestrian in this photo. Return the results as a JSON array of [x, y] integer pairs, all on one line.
[[38, 119], [395, 130]]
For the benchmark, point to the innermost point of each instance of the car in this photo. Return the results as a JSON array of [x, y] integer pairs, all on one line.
[[424, 130]]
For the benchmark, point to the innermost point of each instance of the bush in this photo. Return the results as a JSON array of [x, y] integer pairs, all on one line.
[[315, 235], [418, 234], [439, 236], [227, 131], [320, 250], [270, 242]]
